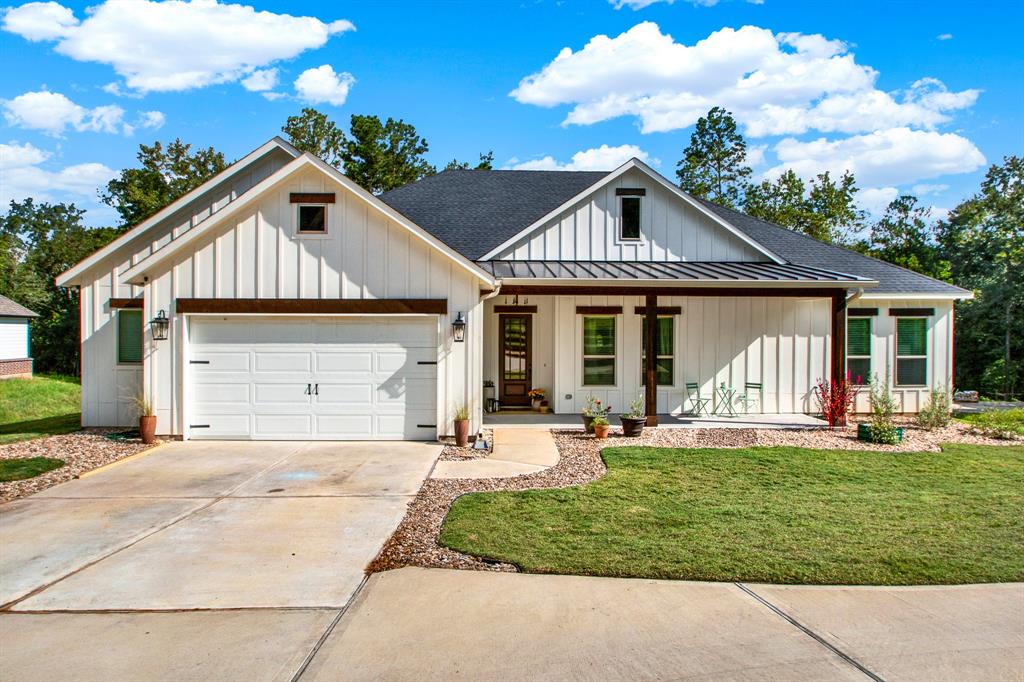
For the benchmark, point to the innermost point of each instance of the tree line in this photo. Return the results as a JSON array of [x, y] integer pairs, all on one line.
[[979, 245]]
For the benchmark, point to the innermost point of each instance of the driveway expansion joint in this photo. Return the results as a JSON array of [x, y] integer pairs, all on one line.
[[811, 633]]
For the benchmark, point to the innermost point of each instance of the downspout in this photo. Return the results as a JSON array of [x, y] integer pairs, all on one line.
[[854, 296]]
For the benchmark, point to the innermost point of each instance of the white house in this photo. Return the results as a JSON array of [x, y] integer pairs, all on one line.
[[15, 348], [298, 305]]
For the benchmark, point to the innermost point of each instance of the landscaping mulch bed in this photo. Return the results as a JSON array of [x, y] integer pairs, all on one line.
[[80, 451], [453, 453], [414, 543]]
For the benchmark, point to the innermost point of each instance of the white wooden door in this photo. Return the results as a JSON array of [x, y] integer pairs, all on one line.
[[341, 378]]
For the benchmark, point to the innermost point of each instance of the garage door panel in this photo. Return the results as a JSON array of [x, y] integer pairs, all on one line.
[[368, 375]]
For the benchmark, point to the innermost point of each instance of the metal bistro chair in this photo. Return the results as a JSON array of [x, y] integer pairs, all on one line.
[[699, 404], [748, 396]]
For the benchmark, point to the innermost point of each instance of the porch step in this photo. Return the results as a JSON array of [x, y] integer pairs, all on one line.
[[516, 452]]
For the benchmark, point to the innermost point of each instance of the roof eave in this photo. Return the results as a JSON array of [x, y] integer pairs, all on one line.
[[691, 283]]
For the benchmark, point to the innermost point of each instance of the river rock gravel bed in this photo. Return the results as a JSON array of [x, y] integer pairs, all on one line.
[[80, 451], [414, 543]]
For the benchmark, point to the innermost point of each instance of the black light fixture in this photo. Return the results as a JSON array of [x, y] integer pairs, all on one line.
[[459, 328], [159, 326]]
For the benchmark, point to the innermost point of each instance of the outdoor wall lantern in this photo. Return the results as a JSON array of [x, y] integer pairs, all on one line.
[[459, 328], [159, 326]]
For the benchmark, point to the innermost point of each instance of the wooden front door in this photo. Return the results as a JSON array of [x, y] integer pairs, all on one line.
[[514, 360]]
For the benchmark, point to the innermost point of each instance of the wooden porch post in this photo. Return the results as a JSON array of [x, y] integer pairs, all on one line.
[[650, 371], [838, 339]]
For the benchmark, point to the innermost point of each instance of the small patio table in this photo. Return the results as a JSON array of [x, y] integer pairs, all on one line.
[[723, 407]]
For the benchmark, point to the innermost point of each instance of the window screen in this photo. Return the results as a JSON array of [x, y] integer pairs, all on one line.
[[630, 222], [665, 363], [911, 351], [129, 336], [598, 351], [312, 218], [858, 349]]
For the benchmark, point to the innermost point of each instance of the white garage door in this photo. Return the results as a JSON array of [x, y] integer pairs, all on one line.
[[313, 378]]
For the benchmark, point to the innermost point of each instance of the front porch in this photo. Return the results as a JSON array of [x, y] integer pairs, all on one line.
[[526, 419]]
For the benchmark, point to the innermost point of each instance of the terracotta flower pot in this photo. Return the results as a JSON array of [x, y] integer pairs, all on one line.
[[601, 430], [462, 433], [147, 428]]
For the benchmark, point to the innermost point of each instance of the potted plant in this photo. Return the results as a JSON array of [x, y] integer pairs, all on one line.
[[882, 427], [462, 426], [536, 398], [544, 407], [600, 424], [147, 419], [634, 420], [592, 409]]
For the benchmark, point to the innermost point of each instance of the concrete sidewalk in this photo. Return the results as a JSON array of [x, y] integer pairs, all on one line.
[[515, 452]]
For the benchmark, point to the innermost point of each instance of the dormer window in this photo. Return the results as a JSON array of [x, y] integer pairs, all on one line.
[[630, 207]]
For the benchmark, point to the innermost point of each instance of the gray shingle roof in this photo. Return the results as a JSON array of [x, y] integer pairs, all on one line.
[[475, 211], [9, 308]]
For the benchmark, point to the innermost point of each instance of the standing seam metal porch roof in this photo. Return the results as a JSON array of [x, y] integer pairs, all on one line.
[[681, 272]]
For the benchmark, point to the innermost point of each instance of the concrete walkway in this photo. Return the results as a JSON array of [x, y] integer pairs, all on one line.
[[437, 624], [515, 452]]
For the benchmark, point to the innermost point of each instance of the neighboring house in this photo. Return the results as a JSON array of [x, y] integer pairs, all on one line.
[[15, 349], [300, 306]]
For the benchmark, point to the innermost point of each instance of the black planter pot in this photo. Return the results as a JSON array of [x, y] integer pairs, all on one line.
[[588, 423], [631, 426]]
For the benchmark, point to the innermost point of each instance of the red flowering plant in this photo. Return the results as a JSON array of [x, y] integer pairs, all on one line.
[[836, 400], [594, 408]]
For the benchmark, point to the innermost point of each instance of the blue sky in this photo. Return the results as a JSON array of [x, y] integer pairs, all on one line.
[[913, 96]]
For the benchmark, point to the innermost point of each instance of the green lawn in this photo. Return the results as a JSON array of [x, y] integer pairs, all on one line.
[[782, 515], [40, 406], [999, 423], [27, 467]]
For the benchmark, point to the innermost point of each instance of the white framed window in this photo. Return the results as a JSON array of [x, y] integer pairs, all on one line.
[[858, 350], [311, 219], [630, 208], [665, 337], [911, 351], [599, 350]]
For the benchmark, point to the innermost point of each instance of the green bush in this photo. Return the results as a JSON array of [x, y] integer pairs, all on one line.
[[883, 407], [937, 411], [998, 423]]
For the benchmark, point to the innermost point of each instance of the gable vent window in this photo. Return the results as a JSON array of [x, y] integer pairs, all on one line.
[[313, 218], [629, 212]]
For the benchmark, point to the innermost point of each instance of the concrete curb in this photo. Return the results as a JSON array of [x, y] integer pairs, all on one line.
[[129, 458]]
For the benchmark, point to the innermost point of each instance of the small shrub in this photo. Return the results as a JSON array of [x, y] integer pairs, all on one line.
[[636, 410], [600, 421], [461, 413], [937, 411], [594, 408], [836, 399], [998, 423], [883, 409]]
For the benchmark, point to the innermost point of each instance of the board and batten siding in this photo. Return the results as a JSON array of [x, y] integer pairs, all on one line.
[[671, 230], [883, 351], [363, 256], [780, 342], [14, 338]]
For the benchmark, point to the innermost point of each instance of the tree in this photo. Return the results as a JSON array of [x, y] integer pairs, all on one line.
[[166, 174], [381, 156], [486, 163], [827, 212], [312, 131], [983, 239], [903, 236], [714, 164], [782, 202], [47, 239]]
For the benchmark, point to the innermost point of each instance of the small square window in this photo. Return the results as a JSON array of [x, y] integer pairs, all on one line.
[[313, 218], [629, 220]]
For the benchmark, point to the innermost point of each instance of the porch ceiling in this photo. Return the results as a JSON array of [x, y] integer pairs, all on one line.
[[704, 272]]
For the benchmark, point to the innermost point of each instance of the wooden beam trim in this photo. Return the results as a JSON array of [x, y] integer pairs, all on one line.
[[911, 312], [515, 308], [630, 192], [650, 367], [312, 306], [311, 198], [126, 303], [661, 311], [601, 290], [861, 312], [599, 310]]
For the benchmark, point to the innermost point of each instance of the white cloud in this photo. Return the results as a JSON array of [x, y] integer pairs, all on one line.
[[875, 199], [924, 189], [21, 176], [323, 85], [895, 156], [597, 158], [944, 36], [260, 80], [174, 45], [775, 84], [53, 113], [147, 120], [640, 4]]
